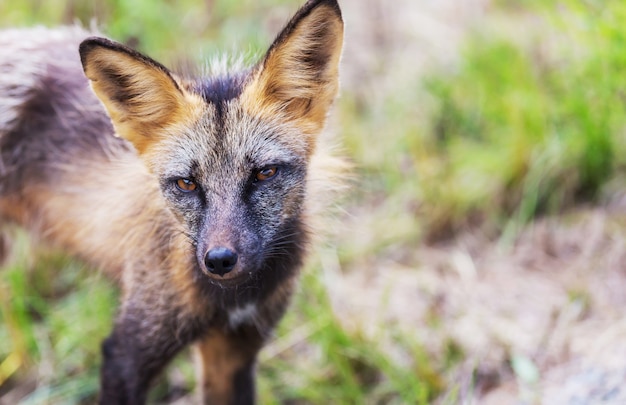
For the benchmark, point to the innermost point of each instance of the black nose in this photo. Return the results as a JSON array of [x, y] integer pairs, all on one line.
[[220, 260]]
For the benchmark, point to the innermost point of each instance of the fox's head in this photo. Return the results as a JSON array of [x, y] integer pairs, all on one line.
[[230, 152]]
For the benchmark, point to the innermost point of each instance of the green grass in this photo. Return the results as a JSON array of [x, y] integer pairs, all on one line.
[[528, 123], [345, 365], [53, 313], [532, 124]]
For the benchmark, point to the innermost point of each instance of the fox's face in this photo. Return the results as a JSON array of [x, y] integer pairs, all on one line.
[[237, 184], [230, 153]]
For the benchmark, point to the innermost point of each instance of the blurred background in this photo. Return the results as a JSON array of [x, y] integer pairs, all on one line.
[[478, 255]]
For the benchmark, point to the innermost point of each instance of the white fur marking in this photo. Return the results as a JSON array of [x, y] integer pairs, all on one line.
[[239, 316]]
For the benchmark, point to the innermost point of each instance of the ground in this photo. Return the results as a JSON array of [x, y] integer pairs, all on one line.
[[539, 319]]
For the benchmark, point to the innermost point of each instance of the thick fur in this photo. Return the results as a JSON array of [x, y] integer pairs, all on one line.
[[246, 141]]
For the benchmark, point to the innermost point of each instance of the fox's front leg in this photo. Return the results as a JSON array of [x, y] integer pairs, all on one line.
[[139, 348], [226, 362]]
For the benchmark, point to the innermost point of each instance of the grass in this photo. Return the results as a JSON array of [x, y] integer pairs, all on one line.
[[526, 124], [347, 366], [530, 124]]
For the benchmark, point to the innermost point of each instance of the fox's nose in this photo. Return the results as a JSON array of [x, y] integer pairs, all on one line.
[[220, 260]]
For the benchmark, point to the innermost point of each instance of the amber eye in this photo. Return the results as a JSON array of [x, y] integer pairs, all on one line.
[[185, 185], [266, 173]]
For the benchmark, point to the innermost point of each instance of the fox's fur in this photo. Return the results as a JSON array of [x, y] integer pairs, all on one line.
[[199, 205]]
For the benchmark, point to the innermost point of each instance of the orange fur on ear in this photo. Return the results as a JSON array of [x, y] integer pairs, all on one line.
[[140, 95], [299, 76]]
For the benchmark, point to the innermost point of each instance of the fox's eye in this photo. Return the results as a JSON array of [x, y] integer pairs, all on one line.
[[266, 173], [185, 185]]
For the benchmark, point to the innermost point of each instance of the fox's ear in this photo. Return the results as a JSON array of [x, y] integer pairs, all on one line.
[[298, 77], [140, 95]]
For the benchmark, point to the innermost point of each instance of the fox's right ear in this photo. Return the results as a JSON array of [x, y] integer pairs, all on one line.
[[140, 95]]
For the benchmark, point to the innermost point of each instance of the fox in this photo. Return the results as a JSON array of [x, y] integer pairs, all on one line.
[[194, 192]]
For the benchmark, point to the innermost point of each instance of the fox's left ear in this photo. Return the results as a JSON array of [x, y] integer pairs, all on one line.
[[298, 77]]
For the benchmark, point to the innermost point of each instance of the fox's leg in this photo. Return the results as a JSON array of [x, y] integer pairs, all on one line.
[[140, 346], [129, 365], [226, 362]]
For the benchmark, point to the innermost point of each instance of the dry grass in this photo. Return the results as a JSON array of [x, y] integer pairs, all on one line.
[[553, 300]]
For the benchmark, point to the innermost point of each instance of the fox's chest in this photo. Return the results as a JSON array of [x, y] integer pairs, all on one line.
[[245, 315]]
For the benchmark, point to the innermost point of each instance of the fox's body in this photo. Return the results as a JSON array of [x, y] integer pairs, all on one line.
[[199, 207]]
